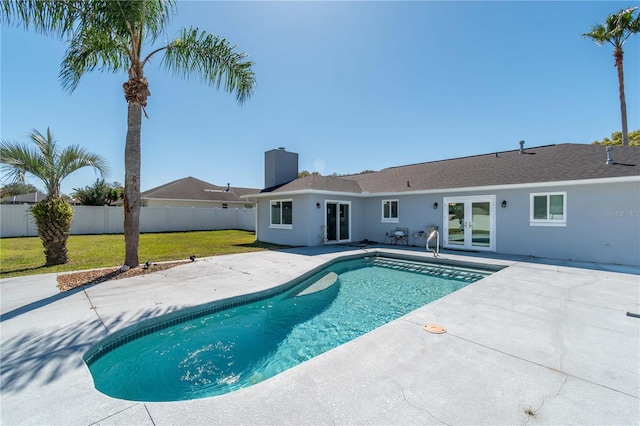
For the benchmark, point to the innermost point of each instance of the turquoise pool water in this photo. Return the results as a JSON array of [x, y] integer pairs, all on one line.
[[244, 344]]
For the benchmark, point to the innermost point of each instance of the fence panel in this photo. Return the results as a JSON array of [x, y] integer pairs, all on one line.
[[203, 219], [16, 220], [180, 219], [246, 219], [97, 220]]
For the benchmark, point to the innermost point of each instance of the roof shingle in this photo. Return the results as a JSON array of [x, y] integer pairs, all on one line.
[[190, 188], [551, 163]]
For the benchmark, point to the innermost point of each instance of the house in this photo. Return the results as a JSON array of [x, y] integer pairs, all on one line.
[[192, 192], [30, 198], [566, 201]]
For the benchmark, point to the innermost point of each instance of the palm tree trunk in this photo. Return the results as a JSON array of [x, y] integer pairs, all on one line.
[[623, 103], [132, 185], [55, 247]]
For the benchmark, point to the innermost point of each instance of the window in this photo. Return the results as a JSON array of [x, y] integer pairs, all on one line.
[[548, 209], [225, 205], [282, 214], [390, 210]]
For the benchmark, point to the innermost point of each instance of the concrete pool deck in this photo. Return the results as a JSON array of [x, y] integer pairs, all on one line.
[[539, 342]]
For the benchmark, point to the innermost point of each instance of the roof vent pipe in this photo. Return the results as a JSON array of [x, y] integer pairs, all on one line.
[[228, 187], [609, 155], [521, 147]]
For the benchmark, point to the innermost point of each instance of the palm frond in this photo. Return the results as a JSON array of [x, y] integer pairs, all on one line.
[[18, 159], [617, 28], [101, 32], [598, 34], [45, 161], [108, 36], [45, 17], [88, 50], [47, 146], [213, 60], [75, 157], [147, 17]]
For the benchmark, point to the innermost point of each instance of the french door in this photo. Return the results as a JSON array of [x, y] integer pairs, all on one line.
[[338, 221], [469, 222]]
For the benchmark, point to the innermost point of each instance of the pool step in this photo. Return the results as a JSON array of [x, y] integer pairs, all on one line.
[[443, 271], [323, 283]]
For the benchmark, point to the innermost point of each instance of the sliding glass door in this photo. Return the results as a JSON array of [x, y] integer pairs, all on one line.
[[338, 221]]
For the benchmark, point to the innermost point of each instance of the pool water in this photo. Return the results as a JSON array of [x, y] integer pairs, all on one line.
[[244, 345]]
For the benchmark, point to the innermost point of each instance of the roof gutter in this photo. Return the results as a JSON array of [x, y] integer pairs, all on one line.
[[305, 191]]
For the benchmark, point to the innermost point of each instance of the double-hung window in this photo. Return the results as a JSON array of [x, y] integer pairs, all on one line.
[[282, 214], [390, 211], [548, 209]]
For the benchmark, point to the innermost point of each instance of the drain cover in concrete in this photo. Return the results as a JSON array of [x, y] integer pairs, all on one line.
[[435, 328]]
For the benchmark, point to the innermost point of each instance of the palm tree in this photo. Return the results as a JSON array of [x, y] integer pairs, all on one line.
[[110, 35], [616, 30], [51, 165]]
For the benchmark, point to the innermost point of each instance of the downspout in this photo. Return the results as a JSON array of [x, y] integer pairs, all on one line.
[[255, 220]]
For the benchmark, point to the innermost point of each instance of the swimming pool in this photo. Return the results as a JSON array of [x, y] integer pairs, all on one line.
[[229, 345]]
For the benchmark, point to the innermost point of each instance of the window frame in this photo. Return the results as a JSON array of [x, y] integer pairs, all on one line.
[[548, 221], [280, 225], [390, 219]]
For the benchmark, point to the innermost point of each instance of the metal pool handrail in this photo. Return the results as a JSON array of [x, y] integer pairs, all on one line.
[[436, 250]]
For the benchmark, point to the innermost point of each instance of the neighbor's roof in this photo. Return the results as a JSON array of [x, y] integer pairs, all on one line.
[[190, 188], [551, 163], [30, 198]]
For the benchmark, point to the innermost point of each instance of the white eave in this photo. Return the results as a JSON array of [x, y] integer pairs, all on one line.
[[191, 200]]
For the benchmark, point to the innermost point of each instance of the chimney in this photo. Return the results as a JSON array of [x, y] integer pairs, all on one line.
[[609, 155], [521, 147], [280, 167]]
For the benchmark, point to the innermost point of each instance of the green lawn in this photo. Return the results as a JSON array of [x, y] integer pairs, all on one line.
[[25, 256]]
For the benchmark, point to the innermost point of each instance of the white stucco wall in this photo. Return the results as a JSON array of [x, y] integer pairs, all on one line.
[[603, 221]]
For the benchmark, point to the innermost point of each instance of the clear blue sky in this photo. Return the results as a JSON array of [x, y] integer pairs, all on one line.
[[349, 86]]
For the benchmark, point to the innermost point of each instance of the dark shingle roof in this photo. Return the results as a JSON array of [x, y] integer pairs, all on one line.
[[30, 198], [324, 183], [551, 163], [190, 188]]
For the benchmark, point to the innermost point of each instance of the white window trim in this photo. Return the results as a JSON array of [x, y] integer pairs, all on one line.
[[548, 222], [280, 226], [390, 219]]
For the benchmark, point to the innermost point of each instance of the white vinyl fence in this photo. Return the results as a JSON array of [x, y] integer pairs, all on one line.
[[16, 221]]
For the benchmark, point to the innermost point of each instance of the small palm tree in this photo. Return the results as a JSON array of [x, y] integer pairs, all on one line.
[[51, 165], [100, 193], [110, 35], [616, 30]]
